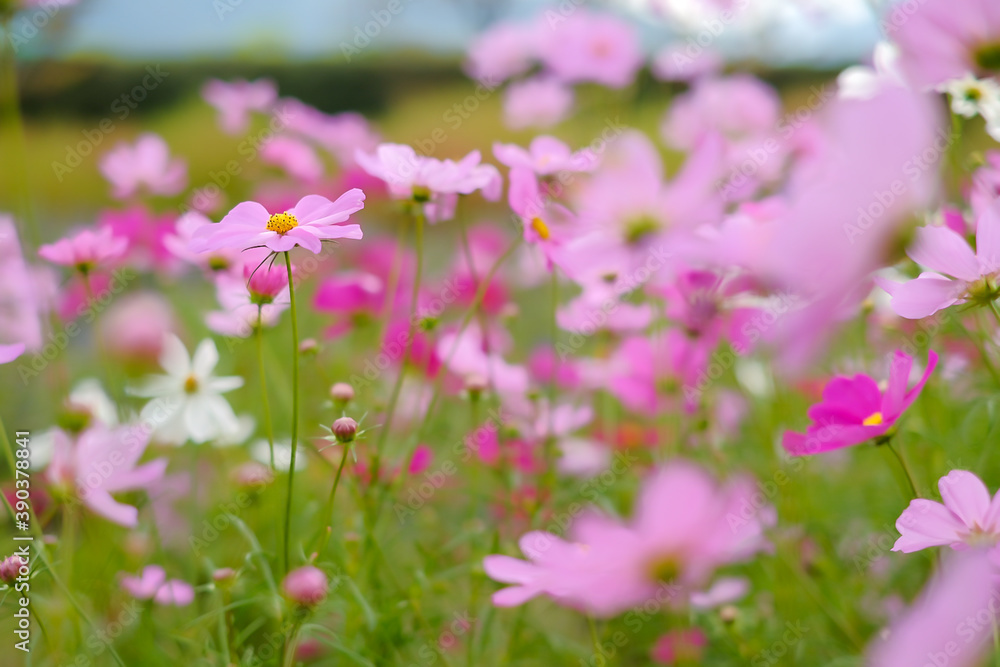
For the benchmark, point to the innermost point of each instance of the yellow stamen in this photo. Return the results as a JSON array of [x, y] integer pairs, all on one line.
[[282, 222], [191, 384], [874, 419], [540, 228]]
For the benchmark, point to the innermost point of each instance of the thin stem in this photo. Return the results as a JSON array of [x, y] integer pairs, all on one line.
[[295, 410], [594, 638], [268, 426], [328, 513], [905, 466]]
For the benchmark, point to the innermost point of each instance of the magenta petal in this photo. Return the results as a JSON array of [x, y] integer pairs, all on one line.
[[924, 524], [944, 251], [966, 496], [932, 360], [899, 378]]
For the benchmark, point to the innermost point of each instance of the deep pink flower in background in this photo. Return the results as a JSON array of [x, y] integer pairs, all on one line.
[[234, 100], [311, 221], [973, 275], [855, 410], [86, 250], [143, 165], [306, 585], [968, 517]]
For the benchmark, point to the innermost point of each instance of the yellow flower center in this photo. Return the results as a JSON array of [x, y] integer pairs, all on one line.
[[540, 228], [282, 222], [874, 419], [191, 384]]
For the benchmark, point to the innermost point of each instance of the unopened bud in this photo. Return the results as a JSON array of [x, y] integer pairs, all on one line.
[[345, 429], [306, 586], [9, 568], [342, 392]]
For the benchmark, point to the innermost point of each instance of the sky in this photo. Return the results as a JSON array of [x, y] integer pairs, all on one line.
[[780, 32]]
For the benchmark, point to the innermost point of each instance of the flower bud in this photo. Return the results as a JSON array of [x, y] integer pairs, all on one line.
[[345, 429], [309, 346], [342, 392], [306, 586], [9, 568], [224, 575], [476, 384]]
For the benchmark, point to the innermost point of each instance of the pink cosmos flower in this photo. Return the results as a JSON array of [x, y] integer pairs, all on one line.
[[296, 157], [675, 63], [968, 517], [855, 410], [145, 233], [587, 46], [737, 106], [546, 223], [311, 221], [257, 299], [133, 326], [9, 353], [945, 39], [503, 51], [424, 179], [340, 134], [939, 628], [236, 99], [152, 584], [87, 250], [682, 531], [25, 291], [545, 156], [146, 164], [306, 585], [104, 461], [944, 250], [540, 101]]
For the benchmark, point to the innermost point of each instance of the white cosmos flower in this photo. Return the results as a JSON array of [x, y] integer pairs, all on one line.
[[971, 96], [187, 401]]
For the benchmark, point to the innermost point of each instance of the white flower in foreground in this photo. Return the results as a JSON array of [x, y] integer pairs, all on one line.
[[187, 401], [971, 96]]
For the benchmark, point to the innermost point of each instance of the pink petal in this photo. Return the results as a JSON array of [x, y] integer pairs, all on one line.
[[988, 238], [924, 296], [924, 524], [966, 496], [944, 251]]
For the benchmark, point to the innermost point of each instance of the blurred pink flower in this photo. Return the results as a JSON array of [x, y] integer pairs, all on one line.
[[545, 223], [974, 274], [103, 461], [179, 244], [940, 40], [944, 625], [503, 51], [296, 157], [86, 250], [591, 47], [540, 101], [146, 234], [685, 526], [677, 63], [854, 410], [134, 324], [737, 106], [25, 291], [234, 101], [152, 584], [311, 221], [340, 134], [968, 517], [545, 156], [9, 353], [680, 646], [306, 585], [145, 164]]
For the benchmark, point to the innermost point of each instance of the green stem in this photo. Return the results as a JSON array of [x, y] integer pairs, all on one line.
[[328, 513], [595, 640], [269, 427], [10, 113], [906, 468], [295, 411]]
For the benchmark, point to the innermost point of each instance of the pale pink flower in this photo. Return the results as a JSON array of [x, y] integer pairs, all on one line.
[[340, 134], [101, 462], [152, 584], [86, 250], [311, 221], [296, 157], [676, 63], [592, 47], [545, 156], [503, 51], [306, 585], [132, 327], [9, 353], [968, 517], [235, 100], [24, 291], [974, 275], [145, 164], [541, 101]]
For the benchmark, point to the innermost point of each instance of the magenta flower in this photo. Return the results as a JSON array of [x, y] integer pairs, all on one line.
[[104, 461], [545, 156], [974, 274], [855, 410], [146, 164], [945, 39], [235, 100], [311, 221], [968, 517], [85, 251], [685, 527]]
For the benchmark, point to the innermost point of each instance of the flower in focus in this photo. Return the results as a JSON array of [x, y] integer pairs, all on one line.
[[103, 461], [187, 401], [855, 410], [234, 101], [86, 250], [968, 517], [974, 275], [311, 221], [146, 164]]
